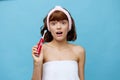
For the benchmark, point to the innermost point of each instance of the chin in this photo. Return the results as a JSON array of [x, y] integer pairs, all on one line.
[[60, 39]]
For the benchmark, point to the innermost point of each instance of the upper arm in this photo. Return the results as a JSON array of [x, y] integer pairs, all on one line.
[[81, 62]]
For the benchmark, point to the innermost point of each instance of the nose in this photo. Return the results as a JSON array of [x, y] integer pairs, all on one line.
[[58, 25]]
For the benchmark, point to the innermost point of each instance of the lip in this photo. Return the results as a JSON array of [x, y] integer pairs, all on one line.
[[59, 33]]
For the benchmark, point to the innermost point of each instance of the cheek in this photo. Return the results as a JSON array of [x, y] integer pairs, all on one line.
[[66, 28], [52, 31], [66, 31]]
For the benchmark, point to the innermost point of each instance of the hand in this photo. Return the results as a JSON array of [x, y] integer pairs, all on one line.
[[36, 57]]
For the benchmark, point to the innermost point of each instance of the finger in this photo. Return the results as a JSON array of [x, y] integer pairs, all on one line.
[[35, 55], [34, 49], [34, 52]]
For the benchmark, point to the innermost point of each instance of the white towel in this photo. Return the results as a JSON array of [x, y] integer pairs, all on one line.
[[60, 70]]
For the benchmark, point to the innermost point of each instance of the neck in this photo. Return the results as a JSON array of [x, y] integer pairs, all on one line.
[[59, 44]]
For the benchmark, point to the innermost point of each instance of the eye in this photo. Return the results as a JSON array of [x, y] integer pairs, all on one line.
[[53, 23], [64, 22]]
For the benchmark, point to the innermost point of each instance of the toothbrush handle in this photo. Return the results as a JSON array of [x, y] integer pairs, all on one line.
[[40, 45]]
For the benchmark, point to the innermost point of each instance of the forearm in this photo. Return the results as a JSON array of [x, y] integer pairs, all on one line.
[[37, 71]]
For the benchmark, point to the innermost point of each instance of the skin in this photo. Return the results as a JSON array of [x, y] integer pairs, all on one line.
[[58, 49]]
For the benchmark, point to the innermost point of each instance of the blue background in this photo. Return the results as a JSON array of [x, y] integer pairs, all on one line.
[[98, 30]]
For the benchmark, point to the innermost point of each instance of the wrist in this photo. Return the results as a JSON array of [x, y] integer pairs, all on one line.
[[36, 63]]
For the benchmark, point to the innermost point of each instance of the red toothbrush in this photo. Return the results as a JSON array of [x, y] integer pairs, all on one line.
[[40, 43]]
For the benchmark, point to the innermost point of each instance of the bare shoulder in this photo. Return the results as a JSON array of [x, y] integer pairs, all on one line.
[[79, 50], [44, 46]]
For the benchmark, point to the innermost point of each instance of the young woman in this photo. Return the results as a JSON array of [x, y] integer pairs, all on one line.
[[59, 60]]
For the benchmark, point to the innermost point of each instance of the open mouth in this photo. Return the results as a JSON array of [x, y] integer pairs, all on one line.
[[59, 33]]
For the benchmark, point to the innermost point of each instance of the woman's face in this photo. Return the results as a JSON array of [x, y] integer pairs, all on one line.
[[59, 29]]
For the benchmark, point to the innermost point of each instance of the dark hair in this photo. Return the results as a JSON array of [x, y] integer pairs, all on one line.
[[58, 15]]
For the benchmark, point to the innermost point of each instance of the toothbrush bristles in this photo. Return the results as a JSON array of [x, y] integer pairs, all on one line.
[[44, 33]]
